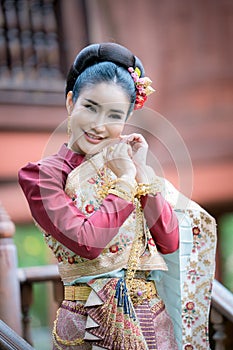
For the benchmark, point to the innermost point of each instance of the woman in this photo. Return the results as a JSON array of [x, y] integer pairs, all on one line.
[[103, 214]]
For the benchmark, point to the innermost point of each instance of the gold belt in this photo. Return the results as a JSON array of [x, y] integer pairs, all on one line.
[[140, 290], [73, 293]]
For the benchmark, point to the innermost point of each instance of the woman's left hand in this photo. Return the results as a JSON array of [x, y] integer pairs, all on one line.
[[139, 148]]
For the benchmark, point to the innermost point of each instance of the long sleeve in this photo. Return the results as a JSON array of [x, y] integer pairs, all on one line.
[[162, 222], [57, 214]]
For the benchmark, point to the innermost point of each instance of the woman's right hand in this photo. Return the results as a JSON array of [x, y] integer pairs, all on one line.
[[119, 160]]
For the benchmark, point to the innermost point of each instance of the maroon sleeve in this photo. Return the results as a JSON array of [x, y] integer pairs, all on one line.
[[162, 222], [57, 214]]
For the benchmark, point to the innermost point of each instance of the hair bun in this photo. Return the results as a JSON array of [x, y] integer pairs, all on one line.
[[95, 53], [116, 53], [86, 58]]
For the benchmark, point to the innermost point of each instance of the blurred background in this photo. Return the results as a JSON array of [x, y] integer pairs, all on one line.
[[186, 47]]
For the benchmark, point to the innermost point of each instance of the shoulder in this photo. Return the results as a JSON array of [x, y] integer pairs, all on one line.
[[50, 166]]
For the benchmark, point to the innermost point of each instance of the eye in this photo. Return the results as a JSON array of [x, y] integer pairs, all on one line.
[[115, 116], [90, 107]]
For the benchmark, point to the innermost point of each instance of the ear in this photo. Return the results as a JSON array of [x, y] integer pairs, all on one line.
[[69, 102]]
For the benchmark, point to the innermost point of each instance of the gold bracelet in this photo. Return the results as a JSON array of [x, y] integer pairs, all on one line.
[[108, 186], [128, 184], [122, 194], [126, 192], [144, 189]]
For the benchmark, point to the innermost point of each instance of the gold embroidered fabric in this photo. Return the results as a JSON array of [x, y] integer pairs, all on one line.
[[85, 183]]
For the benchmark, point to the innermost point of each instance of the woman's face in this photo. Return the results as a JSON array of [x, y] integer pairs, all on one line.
[[97, 117]]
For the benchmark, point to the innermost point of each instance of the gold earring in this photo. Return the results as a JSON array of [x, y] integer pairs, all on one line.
[[68, 125]]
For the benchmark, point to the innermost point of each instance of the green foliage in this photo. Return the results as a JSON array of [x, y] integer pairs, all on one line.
[[32, 251], [226, 248]]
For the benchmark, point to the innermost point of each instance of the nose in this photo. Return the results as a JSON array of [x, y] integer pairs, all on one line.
[[98, 125], [99, 128]]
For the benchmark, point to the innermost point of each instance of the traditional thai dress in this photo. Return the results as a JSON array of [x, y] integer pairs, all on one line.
[[118, 296]]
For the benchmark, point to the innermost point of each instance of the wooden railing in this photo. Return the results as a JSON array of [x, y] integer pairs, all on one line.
[[16, 290], [10, 340], [27, 277], [221, 317]]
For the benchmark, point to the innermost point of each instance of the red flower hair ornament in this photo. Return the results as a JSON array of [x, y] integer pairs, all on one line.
[[142, 86]]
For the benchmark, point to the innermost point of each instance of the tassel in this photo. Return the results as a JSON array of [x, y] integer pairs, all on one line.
[[123, 299]]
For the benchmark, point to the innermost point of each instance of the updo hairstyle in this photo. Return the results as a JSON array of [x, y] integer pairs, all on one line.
[[106, 62]]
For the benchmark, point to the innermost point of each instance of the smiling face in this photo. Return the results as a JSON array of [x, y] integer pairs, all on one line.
[[97, 118]]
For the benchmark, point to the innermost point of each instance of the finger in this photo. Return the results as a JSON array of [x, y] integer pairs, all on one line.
[[114, 150], [124, 138], [130, 137], [135, 140], [122, 150], [130, 152]]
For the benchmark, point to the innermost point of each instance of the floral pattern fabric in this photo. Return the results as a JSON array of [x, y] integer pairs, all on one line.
[[198, 284], [194, 284], [111, 328], [88, 187]]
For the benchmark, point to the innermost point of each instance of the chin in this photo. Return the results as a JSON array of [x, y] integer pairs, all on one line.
[[96, 149]]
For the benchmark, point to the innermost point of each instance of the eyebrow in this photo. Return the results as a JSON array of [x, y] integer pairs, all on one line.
[[92, 102], [98, 105]]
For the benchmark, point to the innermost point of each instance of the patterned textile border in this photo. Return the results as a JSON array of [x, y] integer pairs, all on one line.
[[197, 287]]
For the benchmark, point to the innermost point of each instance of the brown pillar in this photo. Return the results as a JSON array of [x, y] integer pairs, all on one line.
[[10, 310]]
